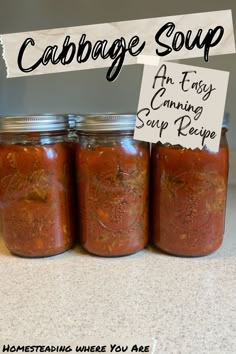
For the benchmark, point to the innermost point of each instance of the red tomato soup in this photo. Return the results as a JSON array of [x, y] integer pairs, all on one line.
[[189, 190], [112, 185], [36, 188]]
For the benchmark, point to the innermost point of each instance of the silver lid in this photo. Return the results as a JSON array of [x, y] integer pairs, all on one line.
[[71, 121], [225, 123], [105, 122], [34, 123]]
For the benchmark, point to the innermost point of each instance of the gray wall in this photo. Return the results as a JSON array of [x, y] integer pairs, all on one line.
[[89, 91]]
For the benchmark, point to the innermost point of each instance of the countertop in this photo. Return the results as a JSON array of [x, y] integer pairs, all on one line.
[[187, 304]]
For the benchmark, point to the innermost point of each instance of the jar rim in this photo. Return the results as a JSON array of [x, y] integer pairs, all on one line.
[[34, 123], [225, 123], [105, 122]]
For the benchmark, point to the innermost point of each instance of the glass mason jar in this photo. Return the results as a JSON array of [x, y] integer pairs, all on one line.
[[112, 185], [189, 190], [36, 185]]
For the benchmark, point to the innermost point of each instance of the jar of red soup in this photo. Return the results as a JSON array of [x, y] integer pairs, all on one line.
[[36, 186], [112, 185], [189, 190]]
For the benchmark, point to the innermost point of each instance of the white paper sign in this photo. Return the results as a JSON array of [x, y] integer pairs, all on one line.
[[181, 104], [118, 43]]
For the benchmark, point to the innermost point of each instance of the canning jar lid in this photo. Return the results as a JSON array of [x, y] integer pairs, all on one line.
[[71, 118], [105, 122], [225, 123], [33, 123]]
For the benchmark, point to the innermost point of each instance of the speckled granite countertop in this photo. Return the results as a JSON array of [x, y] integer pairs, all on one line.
[[189, 305]]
